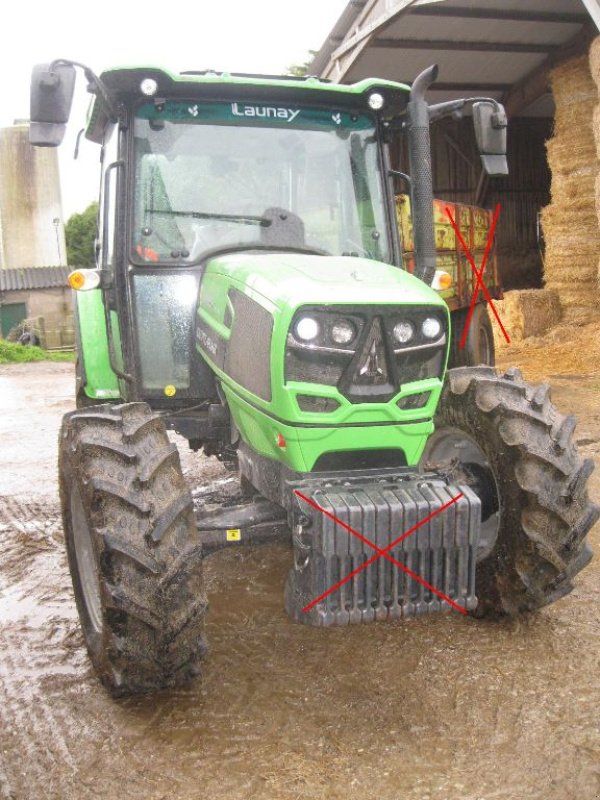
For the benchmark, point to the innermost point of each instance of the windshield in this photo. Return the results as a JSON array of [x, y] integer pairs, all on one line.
[[218, 175]]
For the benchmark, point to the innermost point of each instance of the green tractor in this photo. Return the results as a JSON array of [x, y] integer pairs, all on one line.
[[250, 295]]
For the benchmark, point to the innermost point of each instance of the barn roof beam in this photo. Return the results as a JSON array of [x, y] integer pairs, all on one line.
[[499, 14], [593, 6], [537, 82], [471, 87], [482, 47]]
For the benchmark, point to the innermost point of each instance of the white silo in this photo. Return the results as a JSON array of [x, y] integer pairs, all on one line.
[[31, 221]]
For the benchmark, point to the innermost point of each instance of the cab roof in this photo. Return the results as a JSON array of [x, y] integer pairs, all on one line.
[[123, 84]]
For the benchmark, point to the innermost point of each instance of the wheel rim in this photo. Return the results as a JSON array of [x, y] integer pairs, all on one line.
[[453, 451], [485, 346], [86, 561]]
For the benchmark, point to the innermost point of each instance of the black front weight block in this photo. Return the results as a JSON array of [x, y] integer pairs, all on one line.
[[442, 551]]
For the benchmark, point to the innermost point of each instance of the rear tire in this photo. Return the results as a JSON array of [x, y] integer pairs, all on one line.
[[532, 467], [133, 547], [479, 345]]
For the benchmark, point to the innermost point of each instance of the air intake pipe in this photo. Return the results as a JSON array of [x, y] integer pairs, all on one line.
[[419, 148]]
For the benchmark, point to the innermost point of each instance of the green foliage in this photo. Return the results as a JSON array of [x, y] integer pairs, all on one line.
[[13, 353], [300, 70], [80, 232]]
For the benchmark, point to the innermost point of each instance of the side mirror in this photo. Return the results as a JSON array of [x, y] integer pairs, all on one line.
[[50, 103], [490, 124]]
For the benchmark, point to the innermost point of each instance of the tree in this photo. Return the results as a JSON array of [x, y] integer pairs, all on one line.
[[80, 233], [300, 70]]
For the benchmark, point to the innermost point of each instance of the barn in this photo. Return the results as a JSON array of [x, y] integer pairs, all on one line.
[[542, 60]]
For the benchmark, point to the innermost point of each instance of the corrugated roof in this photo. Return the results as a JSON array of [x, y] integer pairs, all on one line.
[[14, 280]]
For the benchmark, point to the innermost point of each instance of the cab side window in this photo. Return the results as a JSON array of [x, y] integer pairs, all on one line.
[[107, 215]]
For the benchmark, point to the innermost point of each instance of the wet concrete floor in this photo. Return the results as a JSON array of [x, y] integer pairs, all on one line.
[[436, 709]]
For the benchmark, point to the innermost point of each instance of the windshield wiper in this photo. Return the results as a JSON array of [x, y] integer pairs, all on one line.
[[243, 219]]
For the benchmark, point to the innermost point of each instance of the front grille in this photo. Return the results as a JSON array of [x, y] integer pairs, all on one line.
[[418, 366], [315, 404], [304, 366], [413, 401], [248, 359], [373, 367]]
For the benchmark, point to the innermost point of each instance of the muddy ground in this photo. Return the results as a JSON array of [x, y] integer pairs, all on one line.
[[435, 709]]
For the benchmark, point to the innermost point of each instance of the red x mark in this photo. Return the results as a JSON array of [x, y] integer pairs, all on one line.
[[380, 552], [478, 274]]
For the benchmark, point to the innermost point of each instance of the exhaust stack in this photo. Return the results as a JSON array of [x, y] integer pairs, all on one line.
[[421, 192]]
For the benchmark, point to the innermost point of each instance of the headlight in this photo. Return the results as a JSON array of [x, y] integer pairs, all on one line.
[[342, 332], [307, 329], [431, 328], [403, 332]]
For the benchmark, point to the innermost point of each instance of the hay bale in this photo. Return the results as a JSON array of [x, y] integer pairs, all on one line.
[[567, 158], [571, 221], [525, 313], [596, 128], [580, 315], [578, 301], [572, 82], [568, 270], [575, 188], [595, 61]]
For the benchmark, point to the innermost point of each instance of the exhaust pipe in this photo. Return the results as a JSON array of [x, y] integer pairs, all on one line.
[[421, 192]]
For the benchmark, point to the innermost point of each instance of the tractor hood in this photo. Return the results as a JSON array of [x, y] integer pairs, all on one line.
[[294, 279], [296, 397]]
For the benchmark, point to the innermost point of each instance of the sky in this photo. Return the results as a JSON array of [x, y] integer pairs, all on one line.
[[263, 36]]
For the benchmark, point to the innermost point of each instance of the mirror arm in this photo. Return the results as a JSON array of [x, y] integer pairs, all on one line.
[[395, 173], [441, 110], [95, 85]]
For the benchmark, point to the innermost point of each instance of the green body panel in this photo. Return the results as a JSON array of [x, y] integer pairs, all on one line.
[[282, 283], [101, 383], [304, 445]]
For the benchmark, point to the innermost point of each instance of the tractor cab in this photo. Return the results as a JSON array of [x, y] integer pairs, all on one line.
[[216, 177], [201, 164]]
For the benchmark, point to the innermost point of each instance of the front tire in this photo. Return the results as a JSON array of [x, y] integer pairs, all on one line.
[[133, 548], [531, 481]]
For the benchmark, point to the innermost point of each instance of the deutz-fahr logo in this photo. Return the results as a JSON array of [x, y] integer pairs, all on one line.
[[287, 114], [371, 367]]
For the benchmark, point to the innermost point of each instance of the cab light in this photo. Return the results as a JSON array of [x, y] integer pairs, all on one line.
[[442, 280], [148, 87], [82, 280], [376, 101]]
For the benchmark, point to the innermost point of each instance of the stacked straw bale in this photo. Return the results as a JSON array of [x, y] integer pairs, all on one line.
[[595, 72], [526, 313], [570, 222]]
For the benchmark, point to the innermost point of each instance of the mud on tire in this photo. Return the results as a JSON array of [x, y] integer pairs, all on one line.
[[133, 547], [544, 509]]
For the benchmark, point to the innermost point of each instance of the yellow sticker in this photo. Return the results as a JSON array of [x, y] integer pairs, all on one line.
[[234, 535], [170, 390]]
